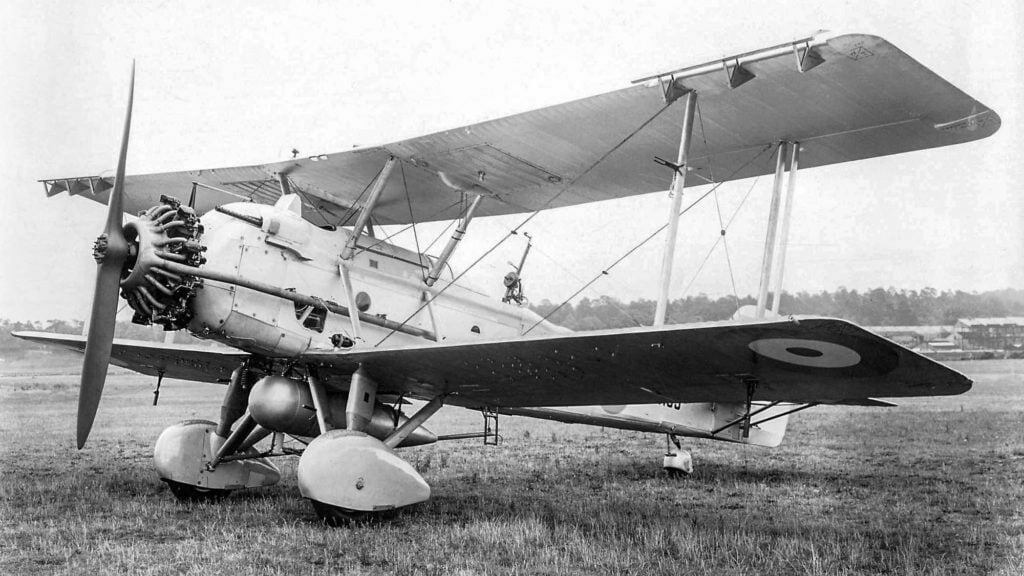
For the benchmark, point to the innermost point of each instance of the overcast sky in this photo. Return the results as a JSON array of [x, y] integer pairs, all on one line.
[[230, 83]]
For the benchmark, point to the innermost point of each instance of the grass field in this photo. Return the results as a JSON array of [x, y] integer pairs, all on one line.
[[935, 486]]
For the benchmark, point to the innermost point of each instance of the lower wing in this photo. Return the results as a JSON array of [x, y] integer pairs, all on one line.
[[184, 362], [798, 360]]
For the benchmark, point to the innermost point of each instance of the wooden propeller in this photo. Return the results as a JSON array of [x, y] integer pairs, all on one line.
[[110, 251]]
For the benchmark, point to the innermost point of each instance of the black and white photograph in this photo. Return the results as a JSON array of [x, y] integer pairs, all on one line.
[[463, 287]]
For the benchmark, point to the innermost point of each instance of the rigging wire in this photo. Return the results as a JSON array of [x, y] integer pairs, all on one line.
[[745, 196], [444, 231], [732, 276], [526, 220], [408, 226], [725, 243], [728, 256], [704, 136], [721, 226], [351, 210], [412, 217], [613, 302], [642, 242], [302, 194]]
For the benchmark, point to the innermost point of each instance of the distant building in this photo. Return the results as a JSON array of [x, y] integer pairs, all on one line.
[[990, 333], [915, 337]]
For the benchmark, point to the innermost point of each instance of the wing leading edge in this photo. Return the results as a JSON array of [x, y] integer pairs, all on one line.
[[865, 98], [800, 360], [184, 362]]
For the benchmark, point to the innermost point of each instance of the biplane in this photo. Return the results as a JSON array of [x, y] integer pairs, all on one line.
[[324, 330]]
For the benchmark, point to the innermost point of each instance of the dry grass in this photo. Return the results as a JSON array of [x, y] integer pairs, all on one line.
[[935, 486]]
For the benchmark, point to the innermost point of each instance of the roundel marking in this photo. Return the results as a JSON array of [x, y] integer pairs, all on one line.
[[614, 408], [802, 352]]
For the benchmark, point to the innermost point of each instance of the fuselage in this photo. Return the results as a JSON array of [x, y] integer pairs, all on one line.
[[385, 284]]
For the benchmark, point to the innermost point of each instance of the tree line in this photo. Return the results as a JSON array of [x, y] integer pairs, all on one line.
[[11, 347], [875, 307]]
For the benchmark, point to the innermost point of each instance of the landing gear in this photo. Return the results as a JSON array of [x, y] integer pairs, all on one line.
[[348, 474], [677, 462], [182, 455], [191, 456], [335, 516], [189, 493]]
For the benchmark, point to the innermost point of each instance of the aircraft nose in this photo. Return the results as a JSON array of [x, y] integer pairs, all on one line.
[[161, 242]]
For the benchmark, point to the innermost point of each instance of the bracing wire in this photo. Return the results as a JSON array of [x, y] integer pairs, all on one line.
[[408, 201], [527, 220], [725, 243], [412, 217], [605, 271], [302, 194], [704, 137], [732, 277], [721, 226], [614, 304], [412, 226], [444, 232], [355, 203]]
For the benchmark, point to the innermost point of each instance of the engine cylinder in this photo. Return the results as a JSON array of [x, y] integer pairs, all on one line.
[[165, 232], [286, 405]]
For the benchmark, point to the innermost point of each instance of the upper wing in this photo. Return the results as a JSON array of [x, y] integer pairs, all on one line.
[[798, 360], [185, 362], [867, 98]]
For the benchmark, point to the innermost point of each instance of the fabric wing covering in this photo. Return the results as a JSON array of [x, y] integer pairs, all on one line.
[[182, 361], [794, 360], [865, 98]]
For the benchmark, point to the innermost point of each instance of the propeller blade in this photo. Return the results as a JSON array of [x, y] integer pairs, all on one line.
[[110, 252]]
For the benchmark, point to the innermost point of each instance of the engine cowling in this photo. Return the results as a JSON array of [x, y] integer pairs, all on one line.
[[285, 405]]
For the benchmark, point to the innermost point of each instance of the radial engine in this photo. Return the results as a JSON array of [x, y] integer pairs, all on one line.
[[167, 232]]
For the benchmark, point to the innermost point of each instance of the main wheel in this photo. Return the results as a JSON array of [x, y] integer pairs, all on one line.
[[678, 464], [337, 516], [189, 493], [345, 473]]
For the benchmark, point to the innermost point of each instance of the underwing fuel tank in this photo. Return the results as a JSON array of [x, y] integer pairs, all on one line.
[[286, 405]]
